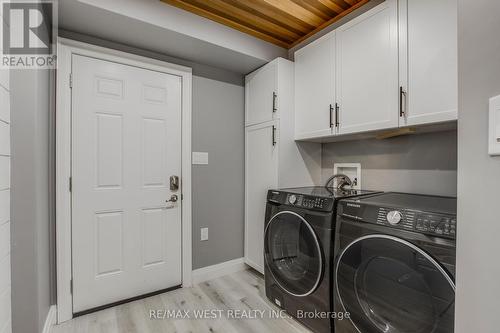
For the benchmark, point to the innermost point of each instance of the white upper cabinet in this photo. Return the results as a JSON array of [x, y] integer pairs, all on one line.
[[367, 70], [428, 60], [315, 88], [261, 94]]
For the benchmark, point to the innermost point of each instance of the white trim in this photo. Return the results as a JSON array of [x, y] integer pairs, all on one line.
[[66, 48], [51, 319], [218, 270]]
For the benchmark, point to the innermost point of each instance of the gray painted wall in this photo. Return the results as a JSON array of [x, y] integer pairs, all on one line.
[[218, 188], [30, 202], [423, 163], [478, 245]]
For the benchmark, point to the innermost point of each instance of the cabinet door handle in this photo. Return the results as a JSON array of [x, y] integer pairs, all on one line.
[[331, 116], [274, 102], [274, 136], [402, 94], [337, 122]]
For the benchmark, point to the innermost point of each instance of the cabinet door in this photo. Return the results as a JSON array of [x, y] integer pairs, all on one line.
[[261, 174], [261, 100], [315, 88], [367, 70], [428, 56]]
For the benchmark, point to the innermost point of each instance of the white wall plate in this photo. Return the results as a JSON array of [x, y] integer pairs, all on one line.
[[352, 170], [494, 126], [200, 158]]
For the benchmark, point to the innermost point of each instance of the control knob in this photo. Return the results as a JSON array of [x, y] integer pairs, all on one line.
[[292, 199], [394, 217]]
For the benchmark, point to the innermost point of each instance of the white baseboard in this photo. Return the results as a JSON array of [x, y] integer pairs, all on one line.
[[51, 319], [224, 268]]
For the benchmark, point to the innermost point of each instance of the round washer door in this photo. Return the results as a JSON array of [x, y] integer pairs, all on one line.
[[390, 285], [293, 253]]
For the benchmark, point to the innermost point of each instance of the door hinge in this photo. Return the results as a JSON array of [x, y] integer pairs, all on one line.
[[71, 286], [70, 80], [70, 184], [182, 196]]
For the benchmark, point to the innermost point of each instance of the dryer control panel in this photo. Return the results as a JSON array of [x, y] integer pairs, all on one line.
[[436, 224], [377, 211]]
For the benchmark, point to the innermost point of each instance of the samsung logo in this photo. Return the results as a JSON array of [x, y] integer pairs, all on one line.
[[353, 205]]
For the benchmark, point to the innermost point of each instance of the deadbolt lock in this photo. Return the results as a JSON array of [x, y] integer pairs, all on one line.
[[174, 183]]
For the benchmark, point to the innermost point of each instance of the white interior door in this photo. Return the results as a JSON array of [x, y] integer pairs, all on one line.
[[126, 143], [261, 166], [367, 70]]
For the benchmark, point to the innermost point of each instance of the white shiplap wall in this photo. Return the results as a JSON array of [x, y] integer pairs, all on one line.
[[5, 300]]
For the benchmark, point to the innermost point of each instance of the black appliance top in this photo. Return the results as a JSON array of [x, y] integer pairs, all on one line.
[[425, 203], [323, 192], [427, 214], [313, 197]]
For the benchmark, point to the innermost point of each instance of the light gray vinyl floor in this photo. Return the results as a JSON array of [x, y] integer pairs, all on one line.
[[234, 303]]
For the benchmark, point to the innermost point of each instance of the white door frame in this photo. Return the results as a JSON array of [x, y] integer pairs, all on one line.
[[66, 48]]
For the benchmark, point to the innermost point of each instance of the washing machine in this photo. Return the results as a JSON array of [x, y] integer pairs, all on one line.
[[395, 264], [298, 252]]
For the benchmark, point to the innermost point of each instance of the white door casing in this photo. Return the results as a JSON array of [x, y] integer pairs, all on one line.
[[126, 130], [367, 70], [147, 199]]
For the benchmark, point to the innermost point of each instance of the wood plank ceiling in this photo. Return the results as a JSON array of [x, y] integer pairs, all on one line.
[[281, 22]]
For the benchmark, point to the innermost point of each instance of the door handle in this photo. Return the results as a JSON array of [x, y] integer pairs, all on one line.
[[331, 116], [274, 135], [173, 198], [274, 102], [402, 94]]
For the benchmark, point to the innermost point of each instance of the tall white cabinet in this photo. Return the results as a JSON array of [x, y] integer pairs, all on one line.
[[272, 158], [428, 61], [261, 174]]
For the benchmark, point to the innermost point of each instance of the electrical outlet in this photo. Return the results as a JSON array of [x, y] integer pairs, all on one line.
[[204, 234]]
